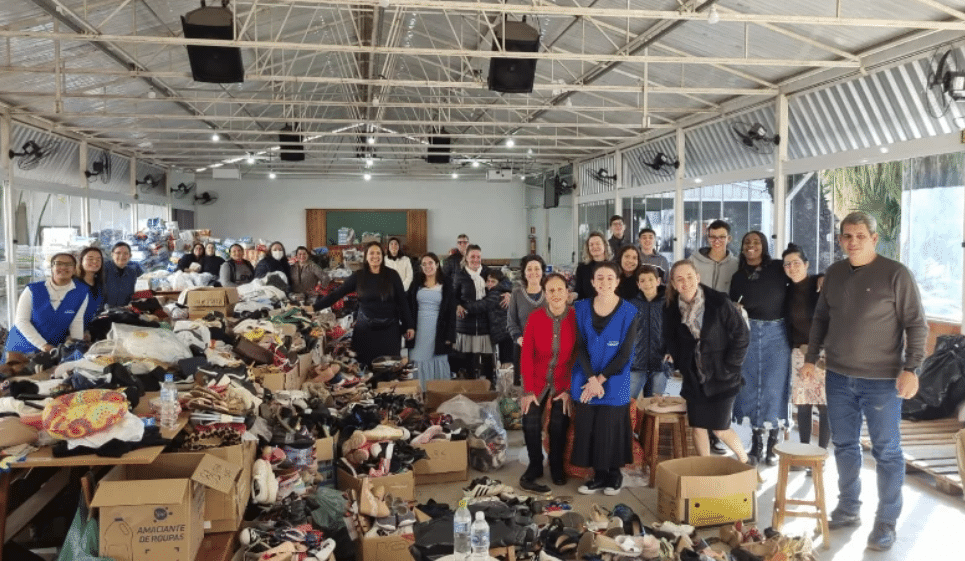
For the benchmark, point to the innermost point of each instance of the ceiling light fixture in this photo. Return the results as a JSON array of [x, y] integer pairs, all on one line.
[[371, 140], [367, 176], [215, 137], [698, 180], [272, 174], [368, 162], [530, 151], [199, 170], [883, 149], [250, 159], [712, 16], [510, 143], [455, 175], [475, 164]]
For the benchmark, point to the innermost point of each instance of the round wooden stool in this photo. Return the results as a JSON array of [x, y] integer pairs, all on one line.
[[650, 437], [808, 456]]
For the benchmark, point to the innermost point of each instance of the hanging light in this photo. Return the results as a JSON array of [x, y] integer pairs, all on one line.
[[250, 159], [215, 137], [272, 174], [475, 164], [510, 143], [367, 176], [455, 175]]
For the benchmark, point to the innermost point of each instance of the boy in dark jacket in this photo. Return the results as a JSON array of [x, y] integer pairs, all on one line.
[[649, 370], [496, 286]]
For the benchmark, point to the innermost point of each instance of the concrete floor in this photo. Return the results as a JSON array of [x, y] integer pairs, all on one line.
[[927, 527]]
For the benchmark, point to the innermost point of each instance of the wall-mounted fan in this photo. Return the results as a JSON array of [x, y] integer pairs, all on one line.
[[206, 198], [604, 176], [755, 138], [659, 163], [151, 182], [183, 189], [945, 83], [30, 155], [100, 168]]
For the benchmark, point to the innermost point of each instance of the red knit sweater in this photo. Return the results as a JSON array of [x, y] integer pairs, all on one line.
[[537, 351]]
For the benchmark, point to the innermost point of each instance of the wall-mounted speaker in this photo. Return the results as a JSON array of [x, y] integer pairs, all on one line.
[[292, 150], [215, 65], [514, 75], [439, 149]]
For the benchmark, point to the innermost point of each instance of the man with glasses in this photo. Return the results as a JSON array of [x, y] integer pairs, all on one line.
[[618, 237], [49, 310], [870, 321], [649, 255], [451, 265], [716, 264], [120, 276]]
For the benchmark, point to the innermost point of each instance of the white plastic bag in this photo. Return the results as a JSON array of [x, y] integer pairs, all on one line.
[[463, 409], [147, 342]]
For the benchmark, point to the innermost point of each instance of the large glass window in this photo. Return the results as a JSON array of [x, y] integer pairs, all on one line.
[[148, 215], [745, 205], [110, 221], [932, 203], [46, 223], [594, 217], [811, 224], [655, 212]]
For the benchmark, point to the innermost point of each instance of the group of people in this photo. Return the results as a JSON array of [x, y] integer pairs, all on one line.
[[745, 332]]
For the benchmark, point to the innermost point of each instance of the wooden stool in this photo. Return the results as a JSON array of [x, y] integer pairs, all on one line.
[[650, 437], [808, 456]]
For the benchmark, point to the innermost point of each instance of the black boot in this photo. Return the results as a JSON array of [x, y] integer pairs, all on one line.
[[716, 446], [771, 458], [757, 447]]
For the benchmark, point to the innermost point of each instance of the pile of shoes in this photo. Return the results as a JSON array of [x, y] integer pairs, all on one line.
[[373, 512], [286, 532]]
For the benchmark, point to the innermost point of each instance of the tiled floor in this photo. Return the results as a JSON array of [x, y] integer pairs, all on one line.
[[927, 529]]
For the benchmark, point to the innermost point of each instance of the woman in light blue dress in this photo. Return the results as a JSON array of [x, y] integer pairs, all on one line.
[[431, 299]]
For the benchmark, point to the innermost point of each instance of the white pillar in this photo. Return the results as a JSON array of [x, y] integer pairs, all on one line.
[[133, 180], [678, 204], [10, 249], [618, 185], [577, 181], [85, 185], [780, 179]]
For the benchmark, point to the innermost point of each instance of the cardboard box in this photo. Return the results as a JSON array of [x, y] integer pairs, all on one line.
[[147, 514], [407, 387], [448, 461], [385, 548], [306, 367], [201, 301], [222, 511], [440, 391], [960, 452], [325, 448], [706, 491], [275, 378], [399, 485]]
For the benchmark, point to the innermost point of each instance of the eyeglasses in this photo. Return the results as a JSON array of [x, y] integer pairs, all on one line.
[[790, 264], [717, 238], [463, 242], [63, 264]]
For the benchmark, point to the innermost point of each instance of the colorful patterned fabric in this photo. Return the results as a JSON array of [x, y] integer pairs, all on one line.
[[83, 413]]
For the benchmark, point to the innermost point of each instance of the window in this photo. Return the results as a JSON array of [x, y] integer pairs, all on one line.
[[652, 211], [148, 214], [594, 217], [932, 203], [110, 221], [811, 224], [745, 205]]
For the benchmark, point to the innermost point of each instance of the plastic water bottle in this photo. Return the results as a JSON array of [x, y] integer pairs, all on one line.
[[169, 403], [480, 538], [460, 532]]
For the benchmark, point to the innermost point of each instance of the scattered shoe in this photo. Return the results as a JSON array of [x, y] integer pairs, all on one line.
[[533, 486], [598, 483], [841, 519], [882, 537]]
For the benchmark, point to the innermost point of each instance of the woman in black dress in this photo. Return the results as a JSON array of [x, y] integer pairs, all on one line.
[[596, 250], [702, 323], [628, 258], [383, 313]]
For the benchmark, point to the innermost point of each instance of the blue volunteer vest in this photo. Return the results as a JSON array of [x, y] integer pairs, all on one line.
[[603, 347], [53, 325]]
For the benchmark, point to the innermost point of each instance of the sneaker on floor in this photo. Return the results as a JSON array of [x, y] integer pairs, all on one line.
[[530, 484], [842, 519], [614, 484], [592, 486], [882, 537]]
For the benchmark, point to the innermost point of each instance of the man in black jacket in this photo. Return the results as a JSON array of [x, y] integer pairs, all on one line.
[[618, 237], [451, 265]]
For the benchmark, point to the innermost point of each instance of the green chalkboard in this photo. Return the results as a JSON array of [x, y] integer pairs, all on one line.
[[385, 222]]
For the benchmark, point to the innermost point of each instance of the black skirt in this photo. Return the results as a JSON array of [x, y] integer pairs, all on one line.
[[711, 413], [602, 436], [370, 343]]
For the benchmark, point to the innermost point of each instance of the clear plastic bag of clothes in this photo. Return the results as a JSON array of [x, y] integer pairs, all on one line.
[[132, 341], [487, 441]]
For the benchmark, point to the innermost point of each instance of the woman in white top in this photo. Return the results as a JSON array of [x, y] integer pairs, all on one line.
[[396, 259], [49, 311]]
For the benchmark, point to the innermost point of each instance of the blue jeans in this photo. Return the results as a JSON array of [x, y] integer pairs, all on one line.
[[652, 383], [848, 399]]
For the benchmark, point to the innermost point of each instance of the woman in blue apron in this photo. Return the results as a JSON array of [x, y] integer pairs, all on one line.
[[49, 311]]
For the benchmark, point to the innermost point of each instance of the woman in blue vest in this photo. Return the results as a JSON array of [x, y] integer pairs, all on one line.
[[90, 271], [50, 311], [606, 327]]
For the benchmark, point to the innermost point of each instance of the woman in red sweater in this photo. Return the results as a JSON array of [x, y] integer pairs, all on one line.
[[546, 360]]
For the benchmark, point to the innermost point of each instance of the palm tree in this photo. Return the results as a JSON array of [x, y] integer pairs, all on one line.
[[871, 188]]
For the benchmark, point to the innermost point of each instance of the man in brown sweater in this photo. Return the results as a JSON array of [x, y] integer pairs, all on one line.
[[870, 321]]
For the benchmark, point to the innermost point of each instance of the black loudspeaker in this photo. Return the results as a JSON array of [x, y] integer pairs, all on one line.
[[291, 152], [439, 149], [514, 75], [215, 65]]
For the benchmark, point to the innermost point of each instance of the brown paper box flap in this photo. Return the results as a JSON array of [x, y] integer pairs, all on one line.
[[216, 474], [458, 386], [131, 493]]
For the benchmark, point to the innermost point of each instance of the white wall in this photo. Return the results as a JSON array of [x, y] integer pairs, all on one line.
[[555, 243], [493, 215]]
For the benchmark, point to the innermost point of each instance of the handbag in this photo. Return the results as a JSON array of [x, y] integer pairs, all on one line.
[[377, 324]]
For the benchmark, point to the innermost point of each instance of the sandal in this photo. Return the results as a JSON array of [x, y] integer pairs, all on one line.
[[560, 541]]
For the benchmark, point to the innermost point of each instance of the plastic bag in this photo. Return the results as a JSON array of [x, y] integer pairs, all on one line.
[[81, 543], [148, 342], [464, 410], [487, 443], [941, 386]]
